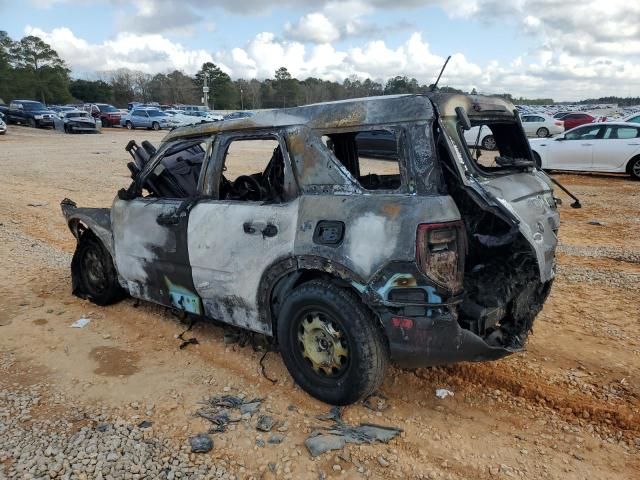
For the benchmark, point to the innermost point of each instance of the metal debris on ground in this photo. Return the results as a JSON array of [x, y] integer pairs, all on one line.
[[596, 222], [265, 423], [145, 424], [443, 393], [201, 443], [216, 410], [188, 341], [81, 323], [339, 434], [276, 439]]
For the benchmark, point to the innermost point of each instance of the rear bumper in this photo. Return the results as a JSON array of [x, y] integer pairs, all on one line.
[[437, 339]]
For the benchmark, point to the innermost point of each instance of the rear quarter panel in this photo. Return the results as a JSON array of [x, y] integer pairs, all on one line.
[[379, 228]]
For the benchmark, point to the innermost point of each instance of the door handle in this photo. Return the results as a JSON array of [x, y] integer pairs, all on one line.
[[266, 230]]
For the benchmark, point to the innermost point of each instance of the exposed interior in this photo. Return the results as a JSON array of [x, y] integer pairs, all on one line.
[[502, 288], [372, 157], [177, 174], [504, 138], [249, 175]]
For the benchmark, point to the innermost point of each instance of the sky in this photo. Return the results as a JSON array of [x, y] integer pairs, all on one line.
[[560, 49]]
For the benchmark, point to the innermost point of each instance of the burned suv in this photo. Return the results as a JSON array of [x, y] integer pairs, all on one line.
[[421, 253]]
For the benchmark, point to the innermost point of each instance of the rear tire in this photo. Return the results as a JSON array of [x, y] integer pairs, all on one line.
[[94, 275], [331, 344], [129, 125], [155, 126], [543, 132], [489, 142], [634, 168]]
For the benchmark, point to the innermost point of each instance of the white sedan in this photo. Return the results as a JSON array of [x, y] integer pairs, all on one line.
[[538, 125], [595, 147]]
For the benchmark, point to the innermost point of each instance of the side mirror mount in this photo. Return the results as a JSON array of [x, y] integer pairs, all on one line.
[[463, 118]]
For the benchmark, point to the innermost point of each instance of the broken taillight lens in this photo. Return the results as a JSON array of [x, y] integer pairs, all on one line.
[[440, 253]]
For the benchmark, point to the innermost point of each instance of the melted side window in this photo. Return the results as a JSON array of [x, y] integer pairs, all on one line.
[[372, 157]]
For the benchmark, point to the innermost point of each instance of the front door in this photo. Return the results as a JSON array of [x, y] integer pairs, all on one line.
[[234, 240], [150, 232], [151, 254]]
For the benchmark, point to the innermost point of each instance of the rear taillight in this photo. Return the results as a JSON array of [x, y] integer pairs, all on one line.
[[440, 249], [559, 123]]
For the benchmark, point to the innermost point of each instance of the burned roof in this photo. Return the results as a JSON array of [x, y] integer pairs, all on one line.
[[367, 111]]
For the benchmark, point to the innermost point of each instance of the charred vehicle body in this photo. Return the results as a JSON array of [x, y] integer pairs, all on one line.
[[428, 257]]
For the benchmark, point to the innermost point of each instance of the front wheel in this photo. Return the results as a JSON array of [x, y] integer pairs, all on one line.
[[543, 132], [32, 123], [129, 125], [634, 168], [331, 344], [93, 273], [489, 142], [155, 126]]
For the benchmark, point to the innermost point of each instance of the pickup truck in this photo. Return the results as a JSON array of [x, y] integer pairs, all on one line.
[[29, 112]]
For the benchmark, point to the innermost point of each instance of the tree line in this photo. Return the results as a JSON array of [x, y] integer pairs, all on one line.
[[31, 69]]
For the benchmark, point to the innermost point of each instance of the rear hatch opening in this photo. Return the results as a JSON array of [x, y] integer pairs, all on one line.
[[502, 287]]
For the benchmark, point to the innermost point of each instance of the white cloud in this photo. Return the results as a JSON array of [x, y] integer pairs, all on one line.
[[591, 54], [149, 53], [313, 27]]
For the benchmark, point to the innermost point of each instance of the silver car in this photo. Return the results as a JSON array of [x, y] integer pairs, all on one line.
[[152, 118]]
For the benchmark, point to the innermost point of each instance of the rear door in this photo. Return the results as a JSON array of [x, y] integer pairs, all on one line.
[[234, 238], [617, 145]]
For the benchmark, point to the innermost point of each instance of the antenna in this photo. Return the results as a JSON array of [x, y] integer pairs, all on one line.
[[435, 85]]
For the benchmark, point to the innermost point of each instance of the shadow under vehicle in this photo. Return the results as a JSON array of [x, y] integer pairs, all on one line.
[[276, 223]]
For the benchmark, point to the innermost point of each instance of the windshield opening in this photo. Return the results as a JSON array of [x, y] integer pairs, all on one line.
[[494, 146], [156, 113]]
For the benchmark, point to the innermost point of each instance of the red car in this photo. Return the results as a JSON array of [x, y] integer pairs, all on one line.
[[108, 114], [572, 120]]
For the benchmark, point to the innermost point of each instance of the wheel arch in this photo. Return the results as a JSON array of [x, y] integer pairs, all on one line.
[[95, 220], [286, 274], [627, 167]]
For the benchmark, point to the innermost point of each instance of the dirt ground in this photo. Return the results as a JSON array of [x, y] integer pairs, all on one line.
[[567, 408]]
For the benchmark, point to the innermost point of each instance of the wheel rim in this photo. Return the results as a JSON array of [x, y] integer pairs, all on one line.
[[93, 271], [635, 169], [322, 344], [543, 132], [489, 143], [156, 126], [129, 125]]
